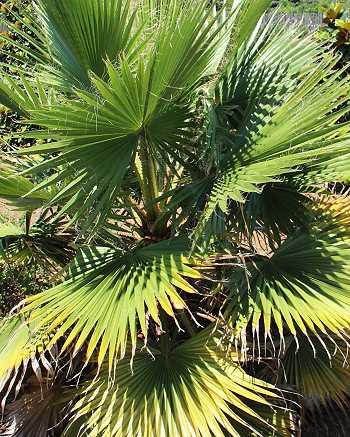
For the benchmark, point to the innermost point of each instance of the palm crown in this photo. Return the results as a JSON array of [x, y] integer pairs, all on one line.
[[183, 152]]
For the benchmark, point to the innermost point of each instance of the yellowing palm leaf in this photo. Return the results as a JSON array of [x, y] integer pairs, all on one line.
[[304, 286], [194, 390], [326, 376], [107, 296], [19, 347]]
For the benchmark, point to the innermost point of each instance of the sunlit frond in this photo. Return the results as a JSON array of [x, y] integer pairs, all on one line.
[[303, 287], [196, 389], [326, 376], [20, 349], [110, 296], [281, 129]]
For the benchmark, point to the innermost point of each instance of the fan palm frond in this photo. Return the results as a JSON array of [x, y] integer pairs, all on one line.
[[303, 287], [42, 244], [326, 376], [79, 36], [254, 81], [279, 210], [14, 189], [20, 349], [22, 96], [196, 389], [122, 287], [247, 16], [72, 40], [280, 135], [144, 109]]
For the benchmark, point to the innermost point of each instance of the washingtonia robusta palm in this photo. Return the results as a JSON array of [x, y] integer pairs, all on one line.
[[184, 151]]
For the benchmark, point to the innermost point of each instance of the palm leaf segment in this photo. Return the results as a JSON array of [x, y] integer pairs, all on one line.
[[43, 243], [321, 373], [278, 211], [79, 36], [325, 378], [43, 407], [12, 243], [14, 188], [23, 96], [107, 295], [39, 241], [304, 286], [72, 40], [19, 348], [195, 390]]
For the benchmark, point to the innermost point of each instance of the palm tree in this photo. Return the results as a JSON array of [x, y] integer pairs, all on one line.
[[188, 155]]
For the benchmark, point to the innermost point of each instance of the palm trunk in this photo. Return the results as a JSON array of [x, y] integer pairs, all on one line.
[[147, 176]]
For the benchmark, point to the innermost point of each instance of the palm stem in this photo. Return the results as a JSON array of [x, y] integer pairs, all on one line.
[[28, 218], [146, 173], [136, 207], [188, 325], [164, 340]]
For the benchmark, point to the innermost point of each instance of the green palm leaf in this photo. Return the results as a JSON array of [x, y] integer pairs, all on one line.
[[71, 40], [303, 288], [279, 210], [22, 96], [196, 389], [107, 295], [10, 229], [7, 100], [14, 187], [280, 134], [41, 244], [323, 171], [247, 16], [19, 349], [256, 78], [326, 377], [79, 36], [10, 244], [144, 108], [319, 371]]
